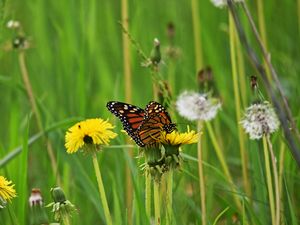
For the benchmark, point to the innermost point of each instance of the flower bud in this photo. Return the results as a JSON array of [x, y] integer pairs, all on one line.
[[37, 211], [61, 207], [155, 55]]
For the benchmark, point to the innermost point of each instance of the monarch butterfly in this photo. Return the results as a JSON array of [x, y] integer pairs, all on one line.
[[144, 126]]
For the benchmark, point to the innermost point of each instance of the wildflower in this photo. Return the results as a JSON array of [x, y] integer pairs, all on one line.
[[223, 3], [177, 139], [89, 132], [61, 207], [172, 143], [37, 210], [260, 119], [7, 191], [196, 106], [160, 158]]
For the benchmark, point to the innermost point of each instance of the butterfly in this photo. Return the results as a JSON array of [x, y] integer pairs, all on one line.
[[143, 126]]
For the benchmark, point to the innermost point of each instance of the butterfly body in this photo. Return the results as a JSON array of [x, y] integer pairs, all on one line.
[[144, 126]]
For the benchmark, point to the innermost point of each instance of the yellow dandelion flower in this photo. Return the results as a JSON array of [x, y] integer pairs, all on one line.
[[91, 131], [177, 139], [7, 191]]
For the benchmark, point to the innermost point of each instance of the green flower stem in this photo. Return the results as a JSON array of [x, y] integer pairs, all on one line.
[[66, 220], [156, 202], [224, 166], [201, 173], [148, 194], [169, 200], [269, 180], [280, 176], [244, 156], [276, 180], [101, 190]]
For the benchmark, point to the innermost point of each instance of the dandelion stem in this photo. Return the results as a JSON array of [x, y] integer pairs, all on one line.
[[101, 190], [128, 97], [276, 181], [169, 200], [243, 153], [201, 174], [148, 194], [269, 180], [280, 176], [224, 166], [25, 77], [156, 202], [66, 220]]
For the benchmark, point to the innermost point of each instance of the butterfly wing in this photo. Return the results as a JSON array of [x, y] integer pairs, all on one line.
[[144, 126], [131, 117], [156, 120], [156, 109], [150, 130]]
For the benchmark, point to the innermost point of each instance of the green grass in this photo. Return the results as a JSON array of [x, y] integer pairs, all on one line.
[[75, 66]]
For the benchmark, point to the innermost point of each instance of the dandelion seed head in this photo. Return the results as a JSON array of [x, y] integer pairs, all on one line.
[[196, 106], [260, 119], [223, 3]]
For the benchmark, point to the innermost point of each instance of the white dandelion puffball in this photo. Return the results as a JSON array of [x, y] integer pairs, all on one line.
[[260, 119], [196, 106], [223, 3]]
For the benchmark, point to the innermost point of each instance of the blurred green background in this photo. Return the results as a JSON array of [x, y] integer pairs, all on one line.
[[75, 65]]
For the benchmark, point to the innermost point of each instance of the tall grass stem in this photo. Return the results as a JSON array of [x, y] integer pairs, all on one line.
[[27, 84], [244, 156], [197, 37], [101, 190], [262, 31], [224, 166], [128, 98], [298, 13], [241, 71], [269, 181], [201, 174]]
